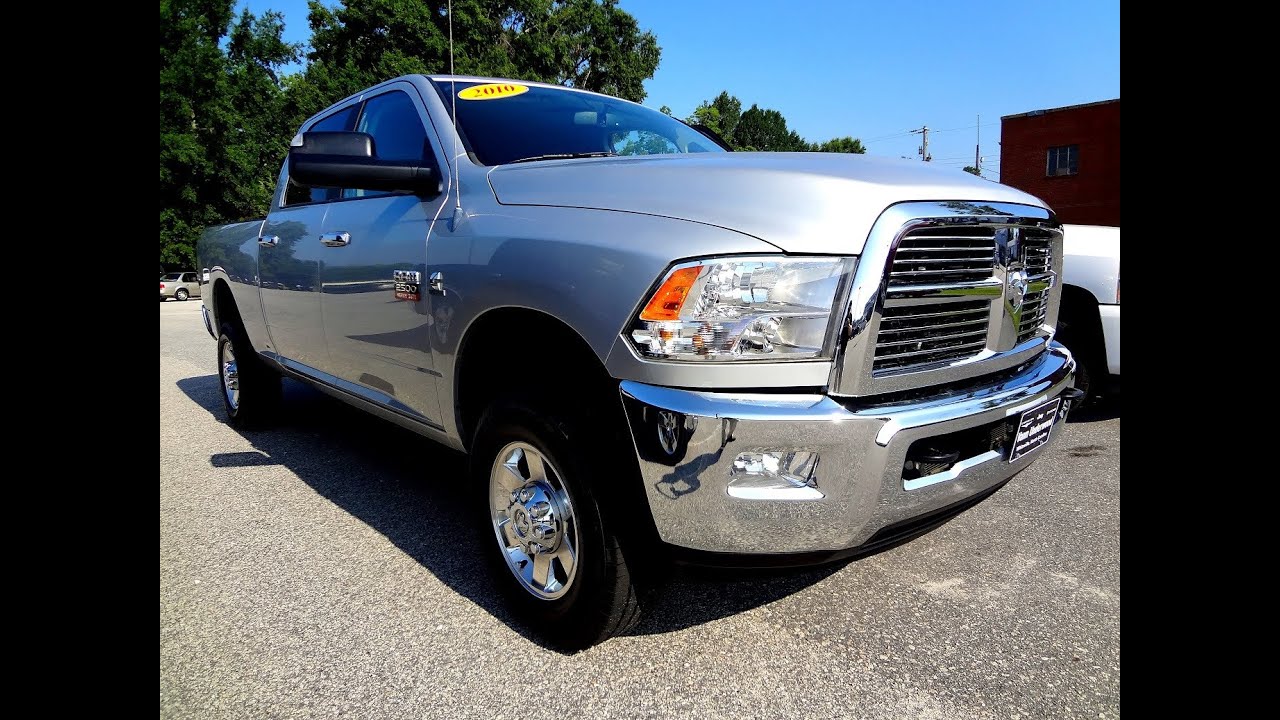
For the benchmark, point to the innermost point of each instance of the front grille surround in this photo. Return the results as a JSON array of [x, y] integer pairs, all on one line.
[[926, 272]]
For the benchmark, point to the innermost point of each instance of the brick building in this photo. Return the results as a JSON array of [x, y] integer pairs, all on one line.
[[1069, 157]]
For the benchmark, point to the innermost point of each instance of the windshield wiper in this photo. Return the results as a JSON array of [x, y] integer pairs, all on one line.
[[564, 156]]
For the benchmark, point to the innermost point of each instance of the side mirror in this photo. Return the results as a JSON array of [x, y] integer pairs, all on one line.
[[350, 160]]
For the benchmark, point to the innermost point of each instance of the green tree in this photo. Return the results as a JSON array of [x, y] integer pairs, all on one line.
[[840, 145], [220, 117], [665, 110], [588, 44], [766, 130], [721, 114], [973, 170]]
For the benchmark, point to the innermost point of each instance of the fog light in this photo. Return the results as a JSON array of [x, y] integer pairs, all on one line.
[[775, 475]]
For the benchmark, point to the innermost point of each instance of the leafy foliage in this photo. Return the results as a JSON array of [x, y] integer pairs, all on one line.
[[760, 129], [588, 44], [839, 145], [221, 118], [973, 170]]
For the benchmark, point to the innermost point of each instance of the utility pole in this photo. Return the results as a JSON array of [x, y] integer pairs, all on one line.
[[977, 148], [924, 143]]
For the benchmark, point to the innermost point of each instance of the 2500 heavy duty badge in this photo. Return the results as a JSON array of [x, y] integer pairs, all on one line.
[[408, 283]]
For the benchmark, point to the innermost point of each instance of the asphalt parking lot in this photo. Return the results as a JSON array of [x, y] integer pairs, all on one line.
[[323, 569]]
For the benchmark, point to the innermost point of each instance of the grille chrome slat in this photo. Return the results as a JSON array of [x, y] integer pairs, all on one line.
[[934, 351], [939, 261], [932, 339], [915, 316], [932, 273], [982, 321]]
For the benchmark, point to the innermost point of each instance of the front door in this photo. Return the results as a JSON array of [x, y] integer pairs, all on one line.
[[378, 338]]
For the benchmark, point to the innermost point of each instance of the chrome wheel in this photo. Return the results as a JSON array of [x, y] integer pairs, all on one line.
[[230, 376], [533, 520]]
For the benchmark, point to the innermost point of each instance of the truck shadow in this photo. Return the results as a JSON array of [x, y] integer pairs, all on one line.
[[415, 492], [1106, 408]]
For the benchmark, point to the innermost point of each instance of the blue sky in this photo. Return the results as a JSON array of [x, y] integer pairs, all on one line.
[[873, 70]]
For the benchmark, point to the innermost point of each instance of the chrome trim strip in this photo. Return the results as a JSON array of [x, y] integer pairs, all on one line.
[[979, 288], [951, 474], [851, 373]]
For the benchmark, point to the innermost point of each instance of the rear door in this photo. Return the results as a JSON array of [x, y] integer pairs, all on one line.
[[289, 257], [378, 338]]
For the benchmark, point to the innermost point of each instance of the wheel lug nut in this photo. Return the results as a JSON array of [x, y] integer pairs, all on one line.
[[540, 510], [543, 531], [535, 548], [524, 494]]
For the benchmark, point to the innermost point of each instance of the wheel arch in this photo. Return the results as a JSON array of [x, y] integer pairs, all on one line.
[[547, 352], [223, 306]]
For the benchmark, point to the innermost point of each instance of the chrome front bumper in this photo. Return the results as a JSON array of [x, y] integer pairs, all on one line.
[[688, 441]]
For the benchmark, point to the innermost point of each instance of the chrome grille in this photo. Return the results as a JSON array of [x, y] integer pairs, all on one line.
[[1037, 248], [943, 255], [947, 291], [919, 334]]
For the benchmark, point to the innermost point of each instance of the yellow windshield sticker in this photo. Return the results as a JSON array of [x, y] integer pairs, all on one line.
[[492, 91]]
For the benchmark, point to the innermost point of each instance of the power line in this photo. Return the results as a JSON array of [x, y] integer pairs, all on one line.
[[887, 137], [967, 127]]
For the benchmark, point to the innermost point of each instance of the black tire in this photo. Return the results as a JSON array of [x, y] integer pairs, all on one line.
[[604, 598], [1080, 330], [258, 384], [181, 295]]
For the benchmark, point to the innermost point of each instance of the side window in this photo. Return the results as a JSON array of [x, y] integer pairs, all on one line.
[[398, 133], [189, 277], [338, 122]]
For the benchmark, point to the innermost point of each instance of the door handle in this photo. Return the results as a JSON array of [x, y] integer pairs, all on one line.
[[268, 240], [338, 239]]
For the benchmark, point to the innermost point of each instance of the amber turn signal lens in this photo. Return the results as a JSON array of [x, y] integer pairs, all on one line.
[[666, 302]]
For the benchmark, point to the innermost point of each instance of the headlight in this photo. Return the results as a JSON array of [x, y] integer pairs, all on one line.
[[760, 308]]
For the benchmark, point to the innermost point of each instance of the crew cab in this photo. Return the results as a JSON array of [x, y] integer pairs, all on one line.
[[650, 348]]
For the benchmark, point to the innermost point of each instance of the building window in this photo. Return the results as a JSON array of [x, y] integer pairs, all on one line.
[[1064, 160]]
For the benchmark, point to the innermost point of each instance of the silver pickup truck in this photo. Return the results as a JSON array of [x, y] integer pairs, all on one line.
[[650, 348]]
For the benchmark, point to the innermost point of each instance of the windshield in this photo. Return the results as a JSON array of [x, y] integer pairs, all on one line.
[[175, 277], [507, 122]]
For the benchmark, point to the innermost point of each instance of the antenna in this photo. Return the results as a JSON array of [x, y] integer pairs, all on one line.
[[453, 88]]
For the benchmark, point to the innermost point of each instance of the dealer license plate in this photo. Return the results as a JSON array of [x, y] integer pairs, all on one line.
[[1034, 427]]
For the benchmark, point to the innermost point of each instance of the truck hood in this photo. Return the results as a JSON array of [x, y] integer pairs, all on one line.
[[800, 202]]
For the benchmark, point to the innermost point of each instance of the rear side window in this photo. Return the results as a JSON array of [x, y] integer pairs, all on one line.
[[340, 121]]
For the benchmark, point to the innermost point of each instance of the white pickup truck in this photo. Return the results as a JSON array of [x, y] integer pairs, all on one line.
[[1089, 323]]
